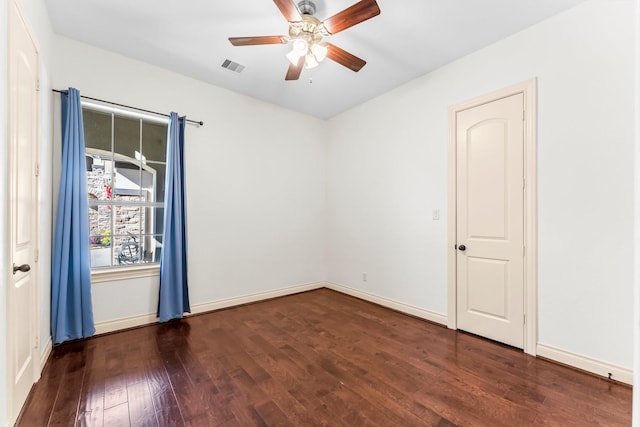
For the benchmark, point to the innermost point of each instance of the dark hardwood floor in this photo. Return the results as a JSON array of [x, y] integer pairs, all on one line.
[[312, 359]]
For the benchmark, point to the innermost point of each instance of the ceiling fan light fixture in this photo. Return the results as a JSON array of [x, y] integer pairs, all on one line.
[[306, 33], [300, 47], [293, 57], [310, 61], [319, 52]]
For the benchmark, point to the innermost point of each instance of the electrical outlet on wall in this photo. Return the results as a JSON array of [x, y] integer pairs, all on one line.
[[436, 214]]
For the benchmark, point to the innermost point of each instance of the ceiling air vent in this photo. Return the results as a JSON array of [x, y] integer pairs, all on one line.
[[233, 66]]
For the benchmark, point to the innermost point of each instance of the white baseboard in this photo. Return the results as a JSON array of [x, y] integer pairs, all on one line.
[[125, 323], [586, 363], [389, 303], [149, 318], [44, 355], [261, 296]]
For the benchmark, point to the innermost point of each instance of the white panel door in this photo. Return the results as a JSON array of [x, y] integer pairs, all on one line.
[[23, 131], [490, 220]]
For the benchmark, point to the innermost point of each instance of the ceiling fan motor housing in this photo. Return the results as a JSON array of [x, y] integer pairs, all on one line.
[[307, 7]]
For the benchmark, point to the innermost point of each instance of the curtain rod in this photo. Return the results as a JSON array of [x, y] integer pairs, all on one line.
[[196, 122]]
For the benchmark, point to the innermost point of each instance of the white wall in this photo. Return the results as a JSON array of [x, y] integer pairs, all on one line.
[[387, 171], [254, 177]]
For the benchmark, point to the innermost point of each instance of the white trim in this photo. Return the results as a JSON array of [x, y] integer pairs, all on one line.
[[150, 318], [231, 302], [452, 234], [528, 88], [636, 304], [44, 355], [104, 108], [125, 323], [124, 273], [586, 363], [531, 217], [389, 303]]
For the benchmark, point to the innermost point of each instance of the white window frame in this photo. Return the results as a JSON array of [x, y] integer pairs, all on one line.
[[108, 274]]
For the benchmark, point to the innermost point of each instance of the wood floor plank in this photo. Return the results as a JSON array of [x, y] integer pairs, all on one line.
[[115, 387], [91, 406], [64, 411], [167, 411], [318, 358], [117, 416], [44, 396], [189, 401], [336, 375], [141, 410]]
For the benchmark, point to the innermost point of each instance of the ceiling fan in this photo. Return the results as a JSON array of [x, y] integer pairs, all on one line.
[[306, 33]]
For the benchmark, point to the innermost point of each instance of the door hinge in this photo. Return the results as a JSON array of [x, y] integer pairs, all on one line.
[[37, 343], [524, 251], [524, 319], [37, 85], [37, 169], [36, 256]]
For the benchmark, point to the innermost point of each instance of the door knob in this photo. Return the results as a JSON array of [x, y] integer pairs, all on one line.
[[24, 268], [462, 247]]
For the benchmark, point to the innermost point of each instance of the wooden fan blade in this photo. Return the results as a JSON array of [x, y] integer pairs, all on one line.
[[343, 57], [355, 14], [251, 41], [288, 10], [293, 73]]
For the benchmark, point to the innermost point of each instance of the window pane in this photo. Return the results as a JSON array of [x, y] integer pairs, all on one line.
[[129, 223], [101, 256], [99, 242], [158, 172], [158, 225], [100, 225], [154, 141], [127, 137], [151, 248], [128, 181], [97, 130], [99, 176], [147, 183], [128, 250]]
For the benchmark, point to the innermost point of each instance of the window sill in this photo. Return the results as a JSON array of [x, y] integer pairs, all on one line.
[[110, 275]]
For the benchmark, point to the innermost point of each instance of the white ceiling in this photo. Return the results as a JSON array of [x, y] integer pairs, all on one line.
[[408, 39]]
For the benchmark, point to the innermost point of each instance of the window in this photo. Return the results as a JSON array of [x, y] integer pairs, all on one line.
[[126, 162]]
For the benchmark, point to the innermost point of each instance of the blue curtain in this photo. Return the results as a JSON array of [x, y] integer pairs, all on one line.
[[174, 293], [71, 311]]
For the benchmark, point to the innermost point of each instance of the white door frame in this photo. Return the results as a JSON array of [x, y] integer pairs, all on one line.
[[528, 88], [36, 354]]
